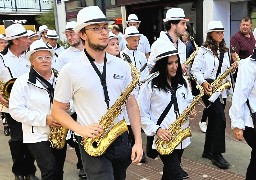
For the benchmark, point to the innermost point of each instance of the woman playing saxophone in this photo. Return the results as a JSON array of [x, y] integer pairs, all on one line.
[[167, 92]]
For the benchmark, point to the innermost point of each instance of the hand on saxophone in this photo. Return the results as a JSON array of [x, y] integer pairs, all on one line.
[[163, 134], [92, 131], [51, 122], [207, 88], [235, 66], [184, 68], [3, 101]]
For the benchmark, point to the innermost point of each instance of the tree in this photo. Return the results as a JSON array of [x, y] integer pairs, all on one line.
[[47, 19]]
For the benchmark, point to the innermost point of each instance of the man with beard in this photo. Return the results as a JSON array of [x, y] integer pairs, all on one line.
[[175, 26], [242, 42], [95, 81]]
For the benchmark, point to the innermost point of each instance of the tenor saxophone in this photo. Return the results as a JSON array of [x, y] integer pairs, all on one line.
[[97, 146], [178, 134]]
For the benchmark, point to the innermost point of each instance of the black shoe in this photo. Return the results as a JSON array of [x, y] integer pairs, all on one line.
[[31, 177], [207, 155], [19, 177], [185, 174], [143, 159], [6, 131], [219, 161], [82, 174]]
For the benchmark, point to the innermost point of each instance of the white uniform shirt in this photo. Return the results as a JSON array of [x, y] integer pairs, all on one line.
[[57, 51], [79, 81], [205, 66], [12, 66], [138, 60], [245, 89], [30, 104], [164, 37], [67, 56], [153, 102]]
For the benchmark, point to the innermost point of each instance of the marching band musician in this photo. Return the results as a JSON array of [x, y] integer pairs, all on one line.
[[240, 112], [94, 82], [175, 26], [30, 104], [154, 99], [113, 45], [13, 63], [210, 62], [138, 59]]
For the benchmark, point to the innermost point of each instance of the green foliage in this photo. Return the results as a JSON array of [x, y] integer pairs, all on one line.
[[47, 19]]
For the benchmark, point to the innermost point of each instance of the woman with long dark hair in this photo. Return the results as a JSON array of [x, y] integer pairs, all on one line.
[[168, 92], [211, 61]]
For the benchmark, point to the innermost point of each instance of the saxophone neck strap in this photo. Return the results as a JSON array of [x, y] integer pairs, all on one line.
[[102, 76], [220, 63]]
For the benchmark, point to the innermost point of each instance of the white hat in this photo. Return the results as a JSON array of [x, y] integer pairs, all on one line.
[[42, 28], [131, 31], [162, 48], [215, 26], [112, 36], [70, 26], [89, 15], [31, 33], [174, 14], [38, 45], [133, 18], [15, 31], [52, 34], [2, 36]]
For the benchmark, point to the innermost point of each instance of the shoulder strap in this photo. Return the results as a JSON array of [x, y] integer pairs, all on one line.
[[220, 63]]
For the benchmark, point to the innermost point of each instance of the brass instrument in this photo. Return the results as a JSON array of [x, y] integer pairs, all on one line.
[[57, 136], [191, 58], [97, 146], [6, 88], [178, 134], [218, 85]]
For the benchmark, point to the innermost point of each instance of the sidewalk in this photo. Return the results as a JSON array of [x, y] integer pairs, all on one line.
[[238, 155]]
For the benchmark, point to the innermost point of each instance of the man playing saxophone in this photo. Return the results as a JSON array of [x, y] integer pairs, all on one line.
[[95, 82], [212, 61], [30, 103]]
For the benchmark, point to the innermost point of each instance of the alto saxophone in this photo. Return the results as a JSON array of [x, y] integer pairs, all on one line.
[[191, 58], [97, 146], [178, 134], [57, 136], [6, 88]]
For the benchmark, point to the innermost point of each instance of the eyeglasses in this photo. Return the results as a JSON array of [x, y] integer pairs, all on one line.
[[99, 29], [44, 58]]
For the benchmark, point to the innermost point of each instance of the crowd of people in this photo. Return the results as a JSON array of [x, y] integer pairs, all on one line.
[[83, 89]]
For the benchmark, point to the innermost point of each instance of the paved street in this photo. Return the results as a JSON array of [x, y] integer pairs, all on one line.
[[238, 154]]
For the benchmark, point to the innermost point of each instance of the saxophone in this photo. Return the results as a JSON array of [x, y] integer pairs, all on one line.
[[97, 146], [218, 85], [6, 88], [178, 134], [191, 58], [57, 136]]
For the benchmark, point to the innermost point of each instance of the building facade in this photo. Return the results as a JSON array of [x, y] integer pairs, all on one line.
[[152, 12]]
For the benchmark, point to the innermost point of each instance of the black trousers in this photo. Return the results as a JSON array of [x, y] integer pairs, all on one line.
[[112, 165], [50, 161], [215, 133], [23, 160], [172, 169], [250, 137]]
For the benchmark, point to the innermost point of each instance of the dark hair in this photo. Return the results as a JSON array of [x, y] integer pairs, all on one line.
[[5, 50], [246, 19], [161, 80], [117, 28], [213, 46], [168, 24]]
